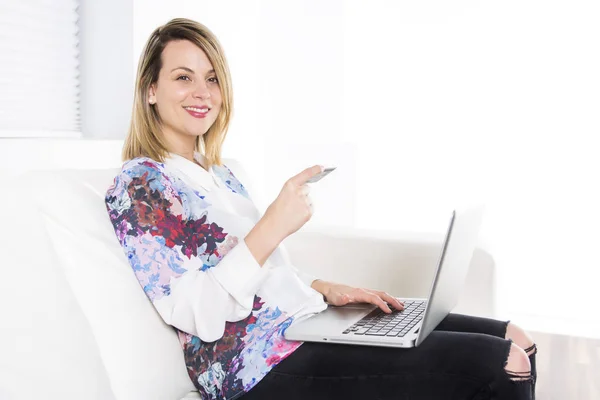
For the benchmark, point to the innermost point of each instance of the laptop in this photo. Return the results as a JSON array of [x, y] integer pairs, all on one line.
[[366, 324]]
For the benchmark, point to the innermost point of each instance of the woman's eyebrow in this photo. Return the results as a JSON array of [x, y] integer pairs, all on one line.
[[191, 71]]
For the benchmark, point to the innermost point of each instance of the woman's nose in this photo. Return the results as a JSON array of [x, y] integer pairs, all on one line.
[[202, 91]]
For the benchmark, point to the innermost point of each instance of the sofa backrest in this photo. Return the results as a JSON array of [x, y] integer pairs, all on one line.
[[79, 323], [47, 344]]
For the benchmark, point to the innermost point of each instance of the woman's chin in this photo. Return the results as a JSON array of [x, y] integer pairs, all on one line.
[[195, 132]]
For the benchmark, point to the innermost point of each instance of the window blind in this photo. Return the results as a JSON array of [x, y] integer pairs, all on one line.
[[39, 78]]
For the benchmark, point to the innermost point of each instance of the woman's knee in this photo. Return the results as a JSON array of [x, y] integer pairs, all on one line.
[[517, 365], [519, 337]]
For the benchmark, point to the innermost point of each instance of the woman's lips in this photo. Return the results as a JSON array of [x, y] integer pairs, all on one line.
[[197, 114]]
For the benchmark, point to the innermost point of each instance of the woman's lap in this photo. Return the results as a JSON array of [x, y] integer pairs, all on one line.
[[468, 323], [455, 337], [462, 357]]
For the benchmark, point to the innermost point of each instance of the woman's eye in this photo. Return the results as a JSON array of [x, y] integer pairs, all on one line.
[[185, 77], [213, 79]]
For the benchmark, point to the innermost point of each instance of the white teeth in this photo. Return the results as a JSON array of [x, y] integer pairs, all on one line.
[[200, 110]]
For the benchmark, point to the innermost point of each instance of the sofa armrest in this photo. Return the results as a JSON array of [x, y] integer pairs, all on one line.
[[192, 395], [400, 263]]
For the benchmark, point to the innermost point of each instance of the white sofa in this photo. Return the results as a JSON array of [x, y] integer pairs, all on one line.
[[76, 324]]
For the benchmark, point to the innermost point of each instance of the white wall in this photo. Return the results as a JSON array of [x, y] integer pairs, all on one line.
[[20, 155], [497, 99], [106, 79], [422, 105]]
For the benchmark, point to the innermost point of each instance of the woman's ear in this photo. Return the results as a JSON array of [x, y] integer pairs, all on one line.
[[152, 94]]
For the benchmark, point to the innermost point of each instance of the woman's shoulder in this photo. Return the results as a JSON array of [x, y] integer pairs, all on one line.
[[141, 171], [147, 167], [225, 174], [139, 165]]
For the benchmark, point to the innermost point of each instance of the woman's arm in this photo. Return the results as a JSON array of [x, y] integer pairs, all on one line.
[[197, 276], [261, 240]]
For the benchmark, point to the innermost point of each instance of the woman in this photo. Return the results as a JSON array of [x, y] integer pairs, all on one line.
[[214, 269]]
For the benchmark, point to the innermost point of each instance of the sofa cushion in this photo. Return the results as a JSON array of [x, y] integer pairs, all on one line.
[[47, 347], [142, 355]]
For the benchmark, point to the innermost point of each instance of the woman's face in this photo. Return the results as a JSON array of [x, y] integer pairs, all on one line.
[[187, 94]]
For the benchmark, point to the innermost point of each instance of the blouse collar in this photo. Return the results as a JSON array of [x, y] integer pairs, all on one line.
[[197, 174], [209, 180]]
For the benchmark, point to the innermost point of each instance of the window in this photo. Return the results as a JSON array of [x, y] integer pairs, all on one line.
[[39, 84]]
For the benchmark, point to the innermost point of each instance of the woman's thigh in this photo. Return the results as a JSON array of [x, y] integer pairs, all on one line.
[[448, 365], [468, 323]]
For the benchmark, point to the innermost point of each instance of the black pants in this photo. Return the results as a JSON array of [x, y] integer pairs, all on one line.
[[463, 358]]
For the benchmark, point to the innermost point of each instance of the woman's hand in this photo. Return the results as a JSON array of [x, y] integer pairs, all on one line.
[[293, 206], [340, 295]]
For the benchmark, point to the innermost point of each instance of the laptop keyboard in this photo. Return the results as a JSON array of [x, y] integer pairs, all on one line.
[[396, 324]]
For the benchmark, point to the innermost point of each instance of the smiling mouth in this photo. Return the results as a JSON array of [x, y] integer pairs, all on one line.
[[202, 110], [197, 112]]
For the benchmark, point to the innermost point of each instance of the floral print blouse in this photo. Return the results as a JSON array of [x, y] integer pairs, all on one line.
[[182, 229]]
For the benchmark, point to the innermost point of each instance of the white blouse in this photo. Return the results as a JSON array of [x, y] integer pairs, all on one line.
[[183, 228]]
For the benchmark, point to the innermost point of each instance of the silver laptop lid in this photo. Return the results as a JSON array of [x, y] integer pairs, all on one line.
[[453, 266]]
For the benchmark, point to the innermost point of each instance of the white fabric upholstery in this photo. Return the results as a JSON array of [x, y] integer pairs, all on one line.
[[47, 345]]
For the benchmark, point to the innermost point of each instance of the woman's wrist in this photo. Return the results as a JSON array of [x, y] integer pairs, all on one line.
[[262, 241], [320, 286], [271, 229]]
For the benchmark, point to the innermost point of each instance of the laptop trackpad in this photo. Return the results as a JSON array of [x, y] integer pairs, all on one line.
[[338, 318], [351, 312]]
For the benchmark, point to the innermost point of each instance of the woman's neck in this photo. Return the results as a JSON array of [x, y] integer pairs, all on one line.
[[190, 157], [183, 146]]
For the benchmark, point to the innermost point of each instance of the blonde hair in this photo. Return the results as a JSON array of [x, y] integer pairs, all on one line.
[[144, 138]]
